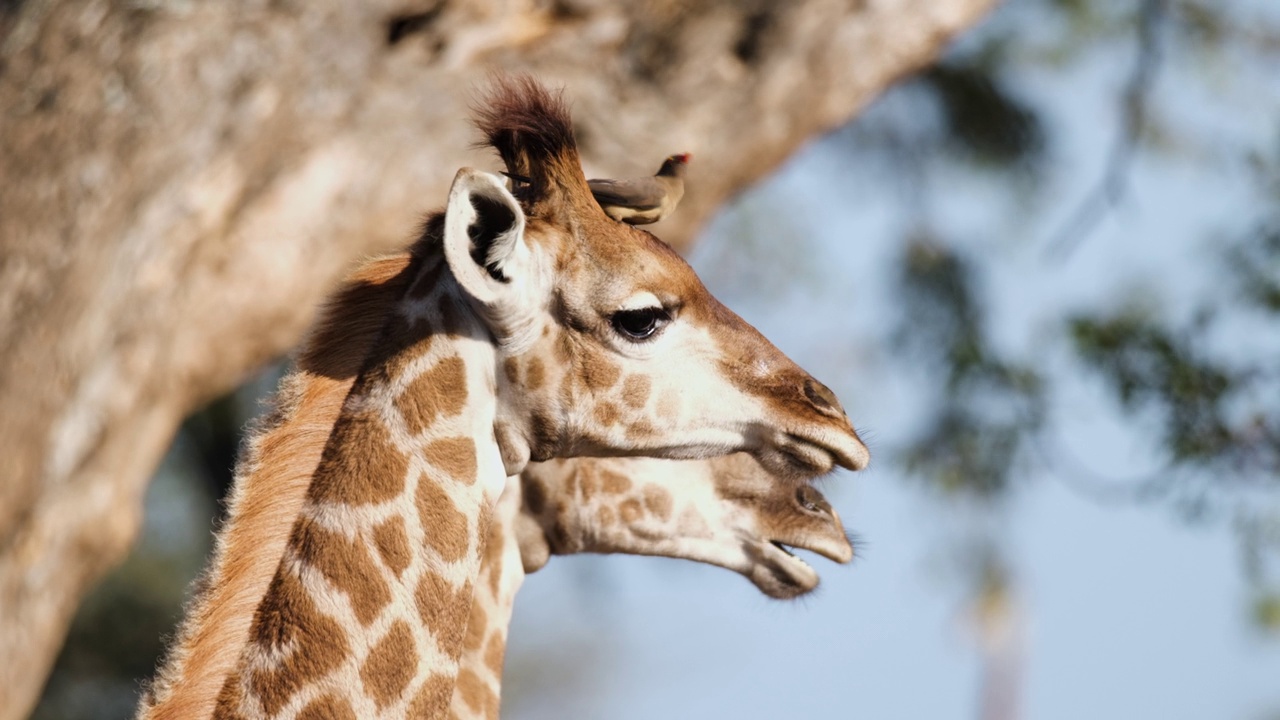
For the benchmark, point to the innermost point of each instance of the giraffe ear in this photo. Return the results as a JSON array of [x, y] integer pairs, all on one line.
[[484, 239]]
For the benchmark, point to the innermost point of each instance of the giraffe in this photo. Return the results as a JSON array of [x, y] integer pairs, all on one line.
[[726, 511], [723, 511], [516, 329]]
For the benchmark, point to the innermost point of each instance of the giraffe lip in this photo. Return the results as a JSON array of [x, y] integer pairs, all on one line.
[[781, 547], [821, 451], [781, 574], [810, 457], [791, 556], [826, 550]]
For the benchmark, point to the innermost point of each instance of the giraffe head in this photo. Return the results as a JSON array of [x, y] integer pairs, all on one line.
[[726, 511], [608, 342]]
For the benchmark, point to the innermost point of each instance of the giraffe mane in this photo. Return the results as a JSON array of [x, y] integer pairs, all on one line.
[[272, 475], [530, 127]]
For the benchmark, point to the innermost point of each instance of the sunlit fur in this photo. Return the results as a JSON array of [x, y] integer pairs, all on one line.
[[281, 454], [271, 480], [730, 390]]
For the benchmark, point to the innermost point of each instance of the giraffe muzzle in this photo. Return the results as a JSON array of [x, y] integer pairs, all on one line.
[[816, 434], [813, 451]]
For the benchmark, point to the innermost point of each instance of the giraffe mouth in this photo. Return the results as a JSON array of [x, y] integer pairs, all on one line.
[[786, 550], [822, 549], [807, 455], [782, 574], [795, 457]]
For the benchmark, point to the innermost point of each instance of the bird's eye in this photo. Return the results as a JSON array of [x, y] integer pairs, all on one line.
[[640, 324]]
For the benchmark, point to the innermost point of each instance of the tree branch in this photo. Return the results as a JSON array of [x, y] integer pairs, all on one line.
[[1113, 185]]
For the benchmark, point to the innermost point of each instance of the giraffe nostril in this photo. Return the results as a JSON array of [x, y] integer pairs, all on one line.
[[812, 500], [821, 396]]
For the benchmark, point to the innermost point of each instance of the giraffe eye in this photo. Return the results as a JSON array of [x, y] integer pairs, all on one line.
[[640, 324]]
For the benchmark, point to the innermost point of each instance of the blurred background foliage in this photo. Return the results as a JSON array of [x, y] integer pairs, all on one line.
[[1214, 410], [1211, 409]]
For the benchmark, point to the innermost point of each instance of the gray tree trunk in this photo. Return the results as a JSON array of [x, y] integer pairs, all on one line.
[[181, 182]]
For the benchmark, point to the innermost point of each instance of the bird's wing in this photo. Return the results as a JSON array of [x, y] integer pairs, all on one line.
[[644, 193]]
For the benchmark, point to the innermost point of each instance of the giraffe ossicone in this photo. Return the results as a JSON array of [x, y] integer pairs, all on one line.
[[519, 328]]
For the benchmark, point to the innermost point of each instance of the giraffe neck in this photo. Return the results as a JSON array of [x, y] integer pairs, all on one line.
[[365, 612], [477, 696], [269, 490]]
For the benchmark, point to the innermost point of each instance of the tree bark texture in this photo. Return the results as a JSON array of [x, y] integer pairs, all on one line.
[[181, 182]]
